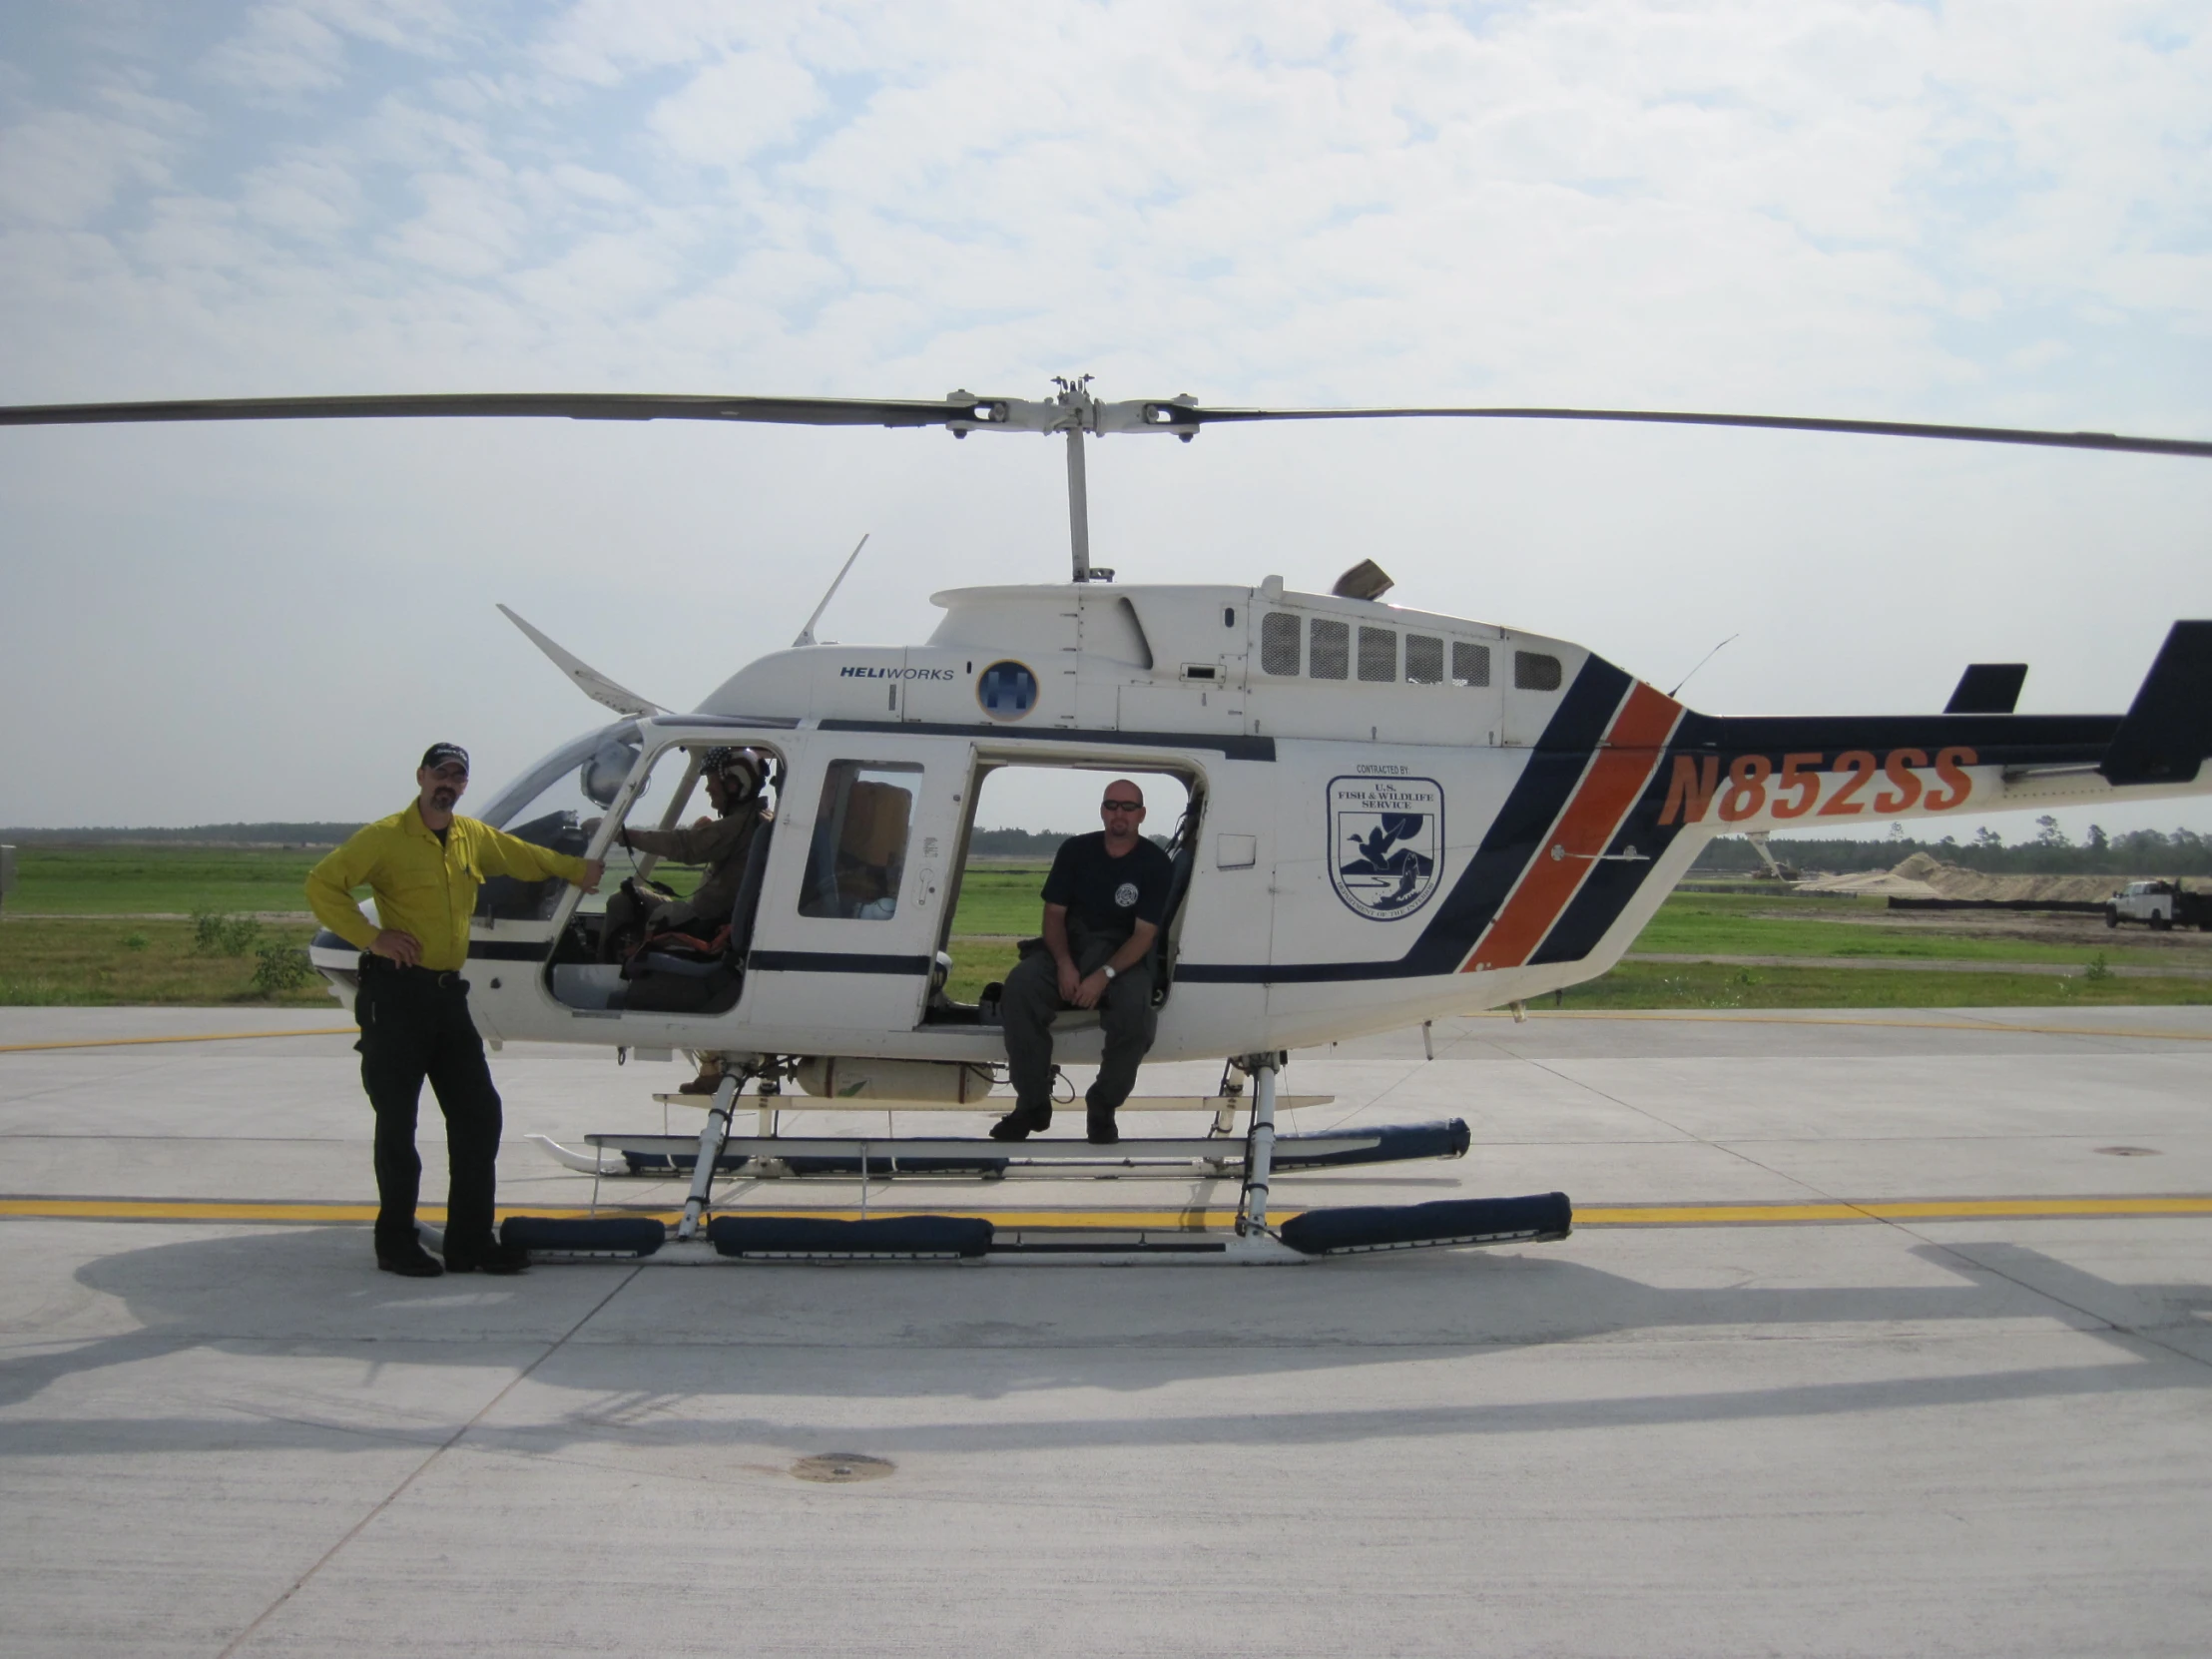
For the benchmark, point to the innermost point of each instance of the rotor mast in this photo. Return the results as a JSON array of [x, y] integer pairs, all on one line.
[[1079, 414]]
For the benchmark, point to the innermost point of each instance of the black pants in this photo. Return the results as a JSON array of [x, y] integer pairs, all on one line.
[[415, 1025], [1033, 1002]]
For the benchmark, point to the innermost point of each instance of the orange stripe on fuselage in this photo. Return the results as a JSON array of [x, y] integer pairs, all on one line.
[[1618, 773]]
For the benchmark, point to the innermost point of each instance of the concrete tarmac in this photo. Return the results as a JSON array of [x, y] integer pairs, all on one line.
[[1973, 1418]]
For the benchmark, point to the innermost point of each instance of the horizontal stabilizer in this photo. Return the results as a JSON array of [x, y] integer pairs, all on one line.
[[2168, 731], [803, 1238], [1987, 689], [589, 680], [1462, 1220], [1395, 1144], [631, 1236]]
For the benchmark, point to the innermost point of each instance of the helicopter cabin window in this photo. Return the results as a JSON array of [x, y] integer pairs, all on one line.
[[1470, 663], [1425, 659], [1536, 671], [1278, 643], [1331, 650], [1378, 655], [859, 850]]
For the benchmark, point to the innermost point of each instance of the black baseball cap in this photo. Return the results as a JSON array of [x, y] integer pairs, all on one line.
[[440, 753]]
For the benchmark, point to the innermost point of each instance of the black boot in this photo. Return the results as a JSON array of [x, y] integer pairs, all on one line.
[[1099, 1125], [489, 1256], [411, 1261], [1022, 1122]]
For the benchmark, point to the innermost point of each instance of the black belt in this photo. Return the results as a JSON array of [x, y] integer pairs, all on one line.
[[441, 978]]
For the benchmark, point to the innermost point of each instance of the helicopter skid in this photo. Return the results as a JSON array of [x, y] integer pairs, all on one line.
[[663, 1155], [755, 1236], [1029, 1247]]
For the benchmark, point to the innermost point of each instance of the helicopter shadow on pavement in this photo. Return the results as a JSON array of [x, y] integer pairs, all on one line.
[[662, 1356]]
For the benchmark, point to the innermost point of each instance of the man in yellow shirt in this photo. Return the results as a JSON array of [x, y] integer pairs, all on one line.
[[423, 865]]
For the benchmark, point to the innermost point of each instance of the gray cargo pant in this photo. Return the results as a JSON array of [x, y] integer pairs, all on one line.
[[1032, 999]]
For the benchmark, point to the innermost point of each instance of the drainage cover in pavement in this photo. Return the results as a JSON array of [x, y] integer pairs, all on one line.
[[840, 1468], [2130, 1151]]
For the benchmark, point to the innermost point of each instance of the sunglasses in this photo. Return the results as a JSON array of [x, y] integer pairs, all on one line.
[[1121, 805]]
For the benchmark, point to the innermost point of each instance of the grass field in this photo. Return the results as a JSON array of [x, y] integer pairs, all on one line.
[[1748, 925], [97, 960], [98, 949], [160, 880], [1724, 985]]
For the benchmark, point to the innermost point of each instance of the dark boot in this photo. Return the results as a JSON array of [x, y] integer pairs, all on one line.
[[411, 1262], [1022, 1122], [488, 1256], [1099, 1127]]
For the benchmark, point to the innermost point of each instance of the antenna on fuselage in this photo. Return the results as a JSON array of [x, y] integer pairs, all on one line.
[[807, 634], [1702, 661]]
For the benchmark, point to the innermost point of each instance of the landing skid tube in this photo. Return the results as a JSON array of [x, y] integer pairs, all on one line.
[[700, 1237]]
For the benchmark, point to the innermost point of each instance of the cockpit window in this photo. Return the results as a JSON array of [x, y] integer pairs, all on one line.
[[554, 804]]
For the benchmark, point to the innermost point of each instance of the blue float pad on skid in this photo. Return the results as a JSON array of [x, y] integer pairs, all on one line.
[[1393, 1145], [1458, 1221], [596, 1236], [893, 1236]]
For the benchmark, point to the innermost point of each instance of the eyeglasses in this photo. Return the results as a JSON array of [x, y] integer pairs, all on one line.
[[1121, 805]]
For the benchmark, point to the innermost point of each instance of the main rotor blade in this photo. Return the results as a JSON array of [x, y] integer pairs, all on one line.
[[964, 412], [780, 411], [1170, 417]]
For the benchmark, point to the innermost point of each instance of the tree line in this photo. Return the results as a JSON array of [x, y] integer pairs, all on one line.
[[2050, 852]]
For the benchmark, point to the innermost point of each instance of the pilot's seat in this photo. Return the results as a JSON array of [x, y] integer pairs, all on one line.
[[709, 978], [1180, 862]]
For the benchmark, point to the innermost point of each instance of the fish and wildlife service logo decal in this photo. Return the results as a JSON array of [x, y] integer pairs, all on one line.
[[1387, 844]]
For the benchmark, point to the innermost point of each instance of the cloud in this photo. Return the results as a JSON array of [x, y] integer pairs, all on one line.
[[286, 50], [66, 167], [733, 108]]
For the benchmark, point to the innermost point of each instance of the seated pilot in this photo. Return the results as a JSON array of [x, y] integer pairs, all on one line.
[[1104, 904], [735, 778]]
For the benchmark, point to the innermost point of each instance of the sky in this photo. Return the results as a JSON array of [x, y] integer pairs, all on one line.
[[1986, 214]]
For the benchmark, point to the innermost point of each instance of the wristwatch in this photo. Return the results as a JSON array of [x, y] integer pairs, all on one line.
[[1111, 975]]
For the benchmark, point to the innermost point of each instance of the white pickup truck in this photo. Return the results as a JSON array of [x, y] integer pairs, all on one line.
[[2161, 905]]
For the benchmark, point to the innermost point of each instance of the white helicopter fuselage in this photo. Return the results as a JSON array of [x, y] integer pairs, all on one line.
[[1395, 815]]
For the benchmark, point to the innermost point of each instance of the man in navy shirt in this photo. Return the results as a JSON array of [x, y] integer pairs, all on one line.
[[1104, 904]]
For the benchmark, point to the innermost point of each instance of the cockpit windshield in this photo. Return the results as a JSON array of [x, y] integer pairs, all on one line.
[[554, 804]]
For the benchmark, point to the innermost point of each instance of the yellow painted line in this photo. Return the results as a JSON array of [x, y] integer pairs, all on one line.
[[1955, 1209], [1991, 1027], [195, 1037], [128, 1209], [1653, 1215]]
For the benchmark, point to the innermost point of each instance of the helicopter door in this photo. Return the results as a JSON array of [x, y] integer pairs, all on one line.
[[851, 947]]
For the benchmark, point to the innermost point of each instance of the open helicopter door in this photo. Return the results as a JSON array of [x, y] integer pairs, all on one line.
[[587, 973], [846, 935]]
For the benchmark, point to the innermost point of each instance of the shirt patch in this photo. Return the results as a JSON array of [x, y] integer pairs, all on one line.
[[1125, 895]]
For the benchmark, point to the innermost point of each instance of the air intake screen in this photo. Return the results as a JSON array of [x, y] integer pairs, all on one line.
[[1378, 654], [1331, 650], [1470, 664], [1425, 659], [1279, 641], [1536, 671]]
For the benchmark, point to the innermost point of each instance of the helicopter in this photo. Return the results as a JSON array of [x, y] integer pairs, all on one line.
[[1390, 816]]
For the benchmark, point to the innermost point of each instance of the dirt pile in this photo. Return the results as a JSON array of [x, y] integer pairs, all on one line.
[[1925, 876]]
